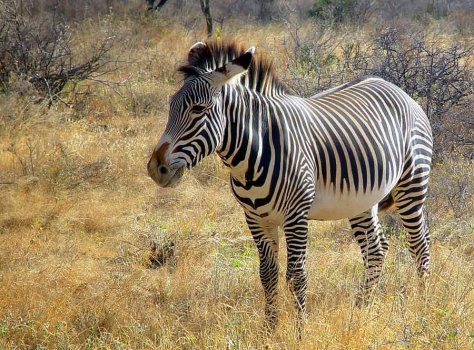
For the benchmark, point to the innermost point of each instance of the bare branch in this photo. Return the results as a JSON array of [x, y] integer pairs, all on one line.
[[40, 53]]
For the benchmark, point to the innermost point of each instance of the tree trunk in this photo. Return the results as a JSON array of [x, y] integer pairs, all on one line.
[[207, 13], [151, 5]]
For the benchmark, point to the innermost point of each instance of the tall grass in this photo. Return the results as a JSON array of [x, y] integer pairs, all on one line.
[[78, 215]]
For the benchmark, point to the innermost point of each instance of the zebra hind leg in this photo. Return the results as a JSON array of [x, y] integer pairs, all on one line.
[[373, 244], [409, 196], [410, 210]]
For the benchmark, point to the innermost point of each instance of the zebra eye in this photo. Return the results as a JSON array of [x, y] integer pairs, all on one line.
[[198, 109]]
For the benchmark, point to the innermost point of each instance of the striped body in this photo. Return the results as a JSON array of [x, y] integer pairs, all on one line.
[[352, 145], [338, 154]]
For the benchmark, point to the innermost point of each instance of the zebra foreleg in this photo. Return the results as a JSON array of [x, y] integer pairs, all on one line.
[[266, 239], [373, 244], [296, 241]]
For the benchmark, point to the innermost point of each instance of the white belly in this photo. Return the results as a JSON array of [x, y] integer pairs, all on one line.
[[330, 206]]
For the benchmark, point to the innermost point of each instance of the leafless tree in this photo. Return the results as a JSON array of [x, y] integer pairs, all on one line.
[[437, 76], [39, 52]]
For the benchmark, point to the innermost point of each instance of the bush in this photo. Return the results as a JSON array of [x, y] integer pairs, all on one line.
[[438, 76], [313, 63], [452, 188], [37, 50], [339, 11]]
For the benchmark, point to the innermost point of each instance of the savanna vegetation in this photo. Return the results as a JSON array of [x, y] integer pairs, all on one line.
[[94, 256]]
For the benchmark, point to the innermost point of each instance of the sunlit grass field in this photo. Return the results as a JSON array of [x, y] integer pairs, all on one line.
[[79, 217]]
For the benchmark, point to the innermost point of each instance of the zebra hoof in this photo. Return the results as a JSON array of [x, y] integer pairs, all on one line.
[[363, 299], [271, 321], [424, 282]]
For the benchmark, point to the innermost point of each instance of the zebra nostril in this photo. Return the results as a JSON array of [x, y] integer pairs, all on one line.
[[163, 170]]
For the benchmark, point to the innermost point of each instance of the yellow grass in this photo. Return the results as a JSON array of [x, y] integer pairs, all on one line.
[[78, 217]]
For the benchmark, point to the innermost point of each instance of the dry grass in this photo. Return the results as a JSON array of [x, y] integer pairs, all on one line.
[[78, 215]]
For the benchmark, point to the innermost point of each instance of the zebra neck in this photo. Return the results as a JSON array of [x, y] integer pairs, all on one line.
[[246, 133]]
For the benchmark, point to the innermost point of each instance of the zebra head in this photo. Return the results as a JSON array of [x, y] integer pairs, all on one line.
[[196, 122]]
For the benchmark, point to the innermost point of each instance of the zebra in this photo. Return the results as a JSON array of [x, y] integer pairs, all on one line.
[[348, 152]]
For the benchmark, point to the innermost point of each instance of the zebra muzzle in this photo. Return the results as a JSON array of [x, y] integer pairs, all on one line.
[[162, 174]]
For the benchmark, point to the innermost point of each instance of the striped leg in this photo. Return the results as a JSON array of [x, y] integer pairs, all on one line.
[[373, 244], [383, 240], [410, 209], [296, 230], [266, 239], [409, 196]]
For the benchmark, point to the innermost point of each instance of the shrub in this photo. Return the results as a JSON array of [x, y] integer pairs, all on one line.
[[437, 75], [338, 11], [452, 187], [37, 50]]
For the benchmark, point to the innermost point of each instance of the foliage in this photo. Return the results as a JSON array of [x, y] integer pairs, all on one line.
[[437, 75], [39, 52], [339, 11], [452, 186]]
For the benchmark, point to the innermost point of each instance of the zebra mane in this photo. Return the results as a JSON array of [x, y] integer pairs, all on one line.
[[214, 54]]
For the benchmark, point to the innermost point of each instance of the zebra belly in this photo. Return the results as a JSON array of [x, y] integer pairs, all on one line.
[[328, 205]]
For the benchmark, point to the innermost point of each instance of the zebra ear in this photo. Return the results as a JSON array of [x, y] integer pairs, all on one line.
[[232, 70], [196, 51]]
